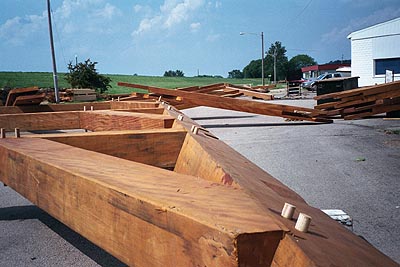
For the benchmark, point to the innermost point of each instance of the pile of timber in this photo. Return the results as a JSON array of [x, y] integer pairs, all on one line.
[[362, 102], [211, 96], [218, 89], [24, 96], [84, 94]]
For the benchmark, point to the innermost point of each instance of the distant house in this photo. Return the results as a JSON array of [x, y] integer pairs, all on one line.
[[316, 70], [374, 50]]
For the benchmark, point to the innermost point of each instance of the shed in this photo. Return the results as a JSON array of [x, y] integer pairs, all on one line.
[[374, 50]]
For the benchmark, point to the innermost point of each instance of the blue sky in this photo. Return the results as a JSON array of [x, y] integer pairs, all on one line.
[[149, 37]]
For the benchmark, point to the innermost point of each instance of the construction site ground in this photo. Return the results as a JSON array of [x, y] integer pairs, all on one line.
[[349, 165]]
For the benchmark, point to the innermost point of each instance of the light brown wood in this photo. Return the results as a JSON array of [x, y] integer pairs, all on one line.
[[54, 107], [200, 99], [216, 209], [14, 93], [159, 147], [29, 99], [143, 215], [40, 121], [108, 120]]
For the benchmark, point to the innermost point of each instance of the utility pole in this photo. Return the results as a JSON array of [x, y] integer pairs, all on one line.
[[275, 65], [55, 80], [262, 58]]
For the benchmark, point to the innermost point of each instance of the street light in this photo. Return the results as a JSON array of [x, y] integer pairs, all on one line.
[[262, 52]]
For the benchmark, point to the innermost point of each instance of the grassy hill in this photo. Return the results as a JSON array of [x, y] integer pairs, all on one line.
[[45, 80]]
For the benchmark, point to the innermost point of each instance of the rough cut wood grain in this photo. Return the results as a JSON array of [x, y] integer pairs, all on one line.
[[40, 121], [108, 120], [55, 107], [159, 147], [327, 244], [143, 215]]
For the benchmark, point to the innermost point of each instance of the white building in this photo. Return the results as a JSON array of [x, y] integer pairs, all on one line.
[[374, 50]]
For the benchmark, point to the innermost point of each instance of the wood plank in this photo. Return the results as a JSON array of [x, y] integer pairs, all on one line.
[[369, 98], [108, 120], [159, 110], [40, 121], [159, 147], [84, 97], [133, 104], [370, 90], [255, 94], [143, 215], [373, 111], [55, 107], [29, 99], [19, 91]]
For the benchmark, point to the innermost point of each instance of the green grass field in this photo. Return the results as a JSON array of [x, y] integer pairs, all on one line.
[[45, 80]]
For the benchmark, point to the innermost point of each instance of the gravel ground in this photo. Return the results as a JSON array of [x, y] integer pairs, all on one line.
[[348, 165]]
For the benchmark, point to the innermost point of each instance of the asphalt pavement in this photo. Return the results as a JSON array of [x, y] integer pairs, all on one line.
[[348, 165]]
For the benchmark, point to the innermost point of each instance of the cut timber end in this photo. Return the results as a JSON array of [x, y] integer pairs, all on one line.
[[127, 198]]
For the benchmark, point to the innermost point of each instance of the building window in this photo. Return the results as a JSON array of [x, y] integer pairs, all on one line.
[[381, 65]]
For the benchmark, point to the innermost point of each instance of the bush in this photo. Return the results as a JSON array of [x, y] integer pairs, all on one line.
[[84, 75], [172, 73]]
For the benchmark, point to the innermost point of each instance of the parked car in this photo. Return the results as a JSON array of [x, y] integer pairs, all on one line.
[[310, 84]]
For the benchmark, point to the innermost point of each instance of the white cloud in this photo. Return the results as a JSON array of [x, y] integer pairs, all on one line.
[[194, 27], [218, 4], [16, 30], [107, 12], [171, 14]]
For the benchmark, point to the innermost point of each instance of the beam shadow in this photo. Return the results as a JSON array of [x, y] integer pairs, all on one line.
[[91, 250], [221, 117], [242, 125]]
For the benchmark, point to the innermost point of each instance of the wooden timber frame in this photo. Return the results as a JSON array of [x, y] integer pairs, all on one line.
[[156, 189], [193, 98]]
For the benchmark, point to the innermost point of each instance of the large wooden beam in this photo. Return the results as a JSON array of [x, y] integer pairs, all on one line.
[[55, 107], [206, 157], [235, 104], [40, 121], [103, 120], [108, 120], [157, 147], [143, 215]]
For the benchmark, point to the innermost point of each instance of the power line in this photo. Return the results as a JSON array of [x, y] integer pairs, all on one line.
[[59, 38]]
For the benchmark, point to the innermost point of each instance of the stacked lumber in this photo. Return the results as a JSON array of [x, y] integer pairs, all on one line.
[[84, 94], [193, 97], [362, 102], [24, 96]]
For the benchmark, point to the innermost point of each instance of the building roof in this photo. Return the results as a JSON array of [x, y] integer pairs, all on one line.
[[388, 28], [324, 67]]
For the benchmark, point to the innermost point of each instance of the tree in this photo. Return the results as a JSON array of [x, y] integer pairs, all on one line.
[[84, 75], [276, 50], [172, 73], [296, 63], [253, 69], [235, 74]]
